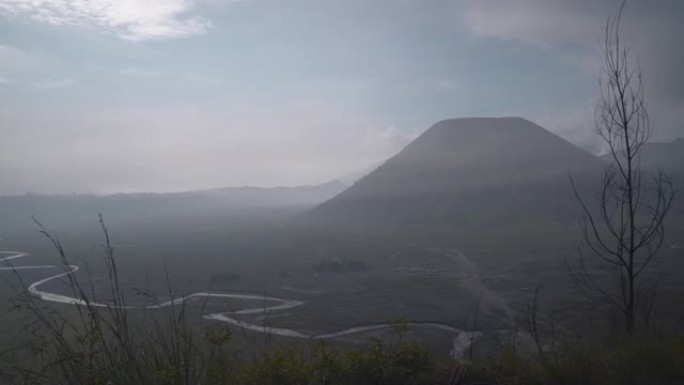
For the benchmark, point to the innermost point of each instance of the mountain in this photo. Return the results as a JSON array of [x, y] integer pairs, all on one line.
[[472, 170]]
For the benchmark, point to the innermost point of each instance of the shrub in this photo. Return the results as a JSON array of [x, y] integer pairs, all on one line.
[[636, 359]]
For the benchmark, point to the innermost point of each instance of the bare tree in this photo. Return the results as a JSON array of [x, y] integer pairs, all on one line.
[[626, 231]]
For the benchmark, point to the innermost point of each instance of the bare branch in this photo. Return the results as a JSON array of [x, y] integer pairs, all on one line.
[[627, 230]]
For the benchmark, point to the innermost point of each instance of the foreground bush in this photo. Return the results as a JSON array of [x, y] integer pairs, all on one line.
[[645, 359], [374, 364]]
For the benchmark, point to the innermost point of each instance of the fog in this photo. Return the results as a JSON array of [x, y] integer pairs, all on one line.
[[129, 97], [342, 192]]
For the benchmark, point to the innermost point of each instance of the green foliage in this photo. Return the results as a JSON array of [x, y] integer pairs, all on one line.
[[404, 363], [377, 363], [400, 325], [218, 336], [280, 367], [635, 360], [643, 359]]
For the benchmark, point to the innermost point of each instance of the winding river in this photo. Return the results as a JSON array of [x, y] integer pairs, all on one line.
[[461, 341]]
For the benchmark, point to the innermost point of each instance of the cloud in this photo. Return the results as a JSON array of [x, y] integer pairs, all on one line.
[[135, 20], [144, 73], [19, 67], [51, 84], [557, 24], [539, 22], [152, 74], [36, 70], [16, 60], [572, 30]]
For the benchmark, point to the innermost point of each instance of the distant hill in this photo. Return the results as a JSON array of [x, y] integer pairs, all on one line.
[[253, 197], [468, 171], [666, 155], [226, 202], [351, 178]]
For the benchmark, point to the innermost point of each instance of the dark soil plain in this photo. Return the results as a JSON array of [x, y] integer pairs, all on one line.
[[345, 278]]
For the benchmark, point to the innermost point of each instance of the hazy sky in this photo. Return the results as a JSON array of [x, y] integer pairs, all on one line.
[[166, 95]]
